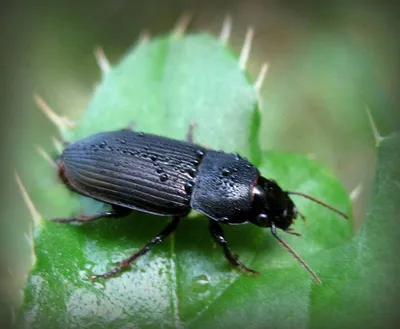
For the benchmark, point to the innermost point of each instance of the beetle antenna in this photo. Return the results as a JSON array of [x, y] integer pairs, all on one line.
[[295, 254], [319, 202]]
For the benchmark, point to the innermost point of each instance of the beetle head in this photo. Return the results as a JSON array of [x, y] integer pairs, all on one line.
[[272, 205]]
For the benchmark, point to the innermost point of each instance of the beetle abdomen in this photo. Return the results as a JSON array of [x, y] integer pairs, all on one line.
[[224, 187], [133, 170]]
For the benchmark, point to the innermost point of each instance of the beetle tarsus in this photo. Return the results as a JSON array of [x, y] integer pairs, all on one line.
[[130, 126], [115, 212], [189, 134], [219, 237], [290, 230], [170, 228]]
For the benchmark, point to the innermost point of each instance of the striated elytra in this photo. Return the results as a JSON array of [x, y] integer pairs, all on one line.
[[166, 177]]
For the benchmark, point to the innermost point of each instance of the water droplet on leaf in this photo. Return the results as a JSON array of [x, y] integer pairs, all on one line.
[[201, 284]]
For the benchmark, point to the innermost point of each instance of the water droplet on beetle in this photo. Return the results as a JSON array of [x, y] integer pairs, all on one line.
[[103, 143], [153, 157], [199, 153], [123, 141], [189, 187], [191, 171], [201, 284], [225, 172], [159, 170], [141, 134], [237, 156], [163, 177]]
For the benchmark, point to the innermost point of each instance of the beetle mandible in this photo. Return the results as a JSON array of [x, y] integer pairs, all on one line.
[[166, 177]]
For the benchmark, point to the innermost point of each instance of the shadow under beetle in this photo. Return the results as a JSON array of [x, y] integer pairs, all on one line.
[[166, 177]]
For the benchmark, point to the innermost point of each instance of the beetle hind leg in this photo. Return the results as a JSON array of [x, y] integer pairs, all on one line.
[[130, 126], [170, 228], [115, 212], [190, 132], [219, 237]]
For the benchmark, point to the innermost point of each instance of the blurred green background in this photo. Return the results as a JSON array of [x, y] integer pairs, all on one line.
[[327, 61]]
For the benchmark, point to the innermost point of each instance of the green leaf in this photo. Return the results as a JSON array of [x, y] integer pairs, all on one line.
[[362, 276], [162, 86]]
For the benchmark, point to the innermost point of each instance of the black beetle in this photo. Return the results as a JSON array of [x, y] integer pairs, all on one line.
[[166, 177]]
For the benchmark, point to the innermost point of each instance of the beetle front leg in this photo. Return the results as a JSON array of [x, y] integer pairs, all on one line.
[[219, 237], [171, 227], [115, 212]]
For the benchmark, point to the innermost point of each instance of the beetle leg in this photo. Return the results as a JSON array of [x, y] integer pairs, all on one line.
[[115, 212], [189, 134], [130, 126], [171, 227], [290, 230], [219, 237]]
